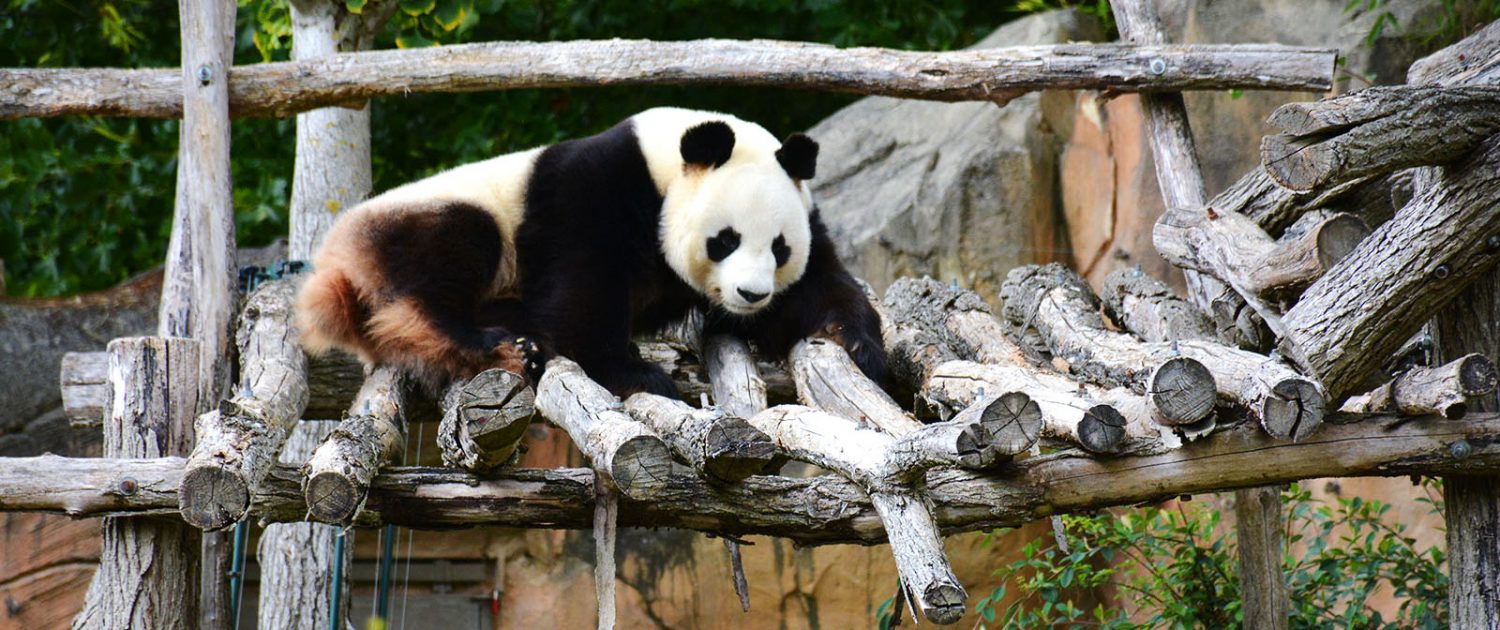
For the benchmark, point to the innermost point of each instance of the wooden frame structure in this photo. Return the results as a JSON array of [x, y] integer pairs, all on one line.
[[1141, 395]]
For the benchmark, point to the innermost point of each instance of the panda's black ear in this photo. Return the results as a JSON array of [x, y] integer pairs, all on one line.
[[708, 144], [799, 156]]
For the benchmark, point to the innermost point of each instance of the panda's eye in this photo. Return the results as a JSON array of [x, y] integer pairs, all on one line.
[[723, 244], [781, 251]]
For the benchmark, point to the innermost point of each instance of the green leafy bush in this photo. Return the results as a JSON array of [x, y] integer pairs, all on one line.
[[1177, 566]]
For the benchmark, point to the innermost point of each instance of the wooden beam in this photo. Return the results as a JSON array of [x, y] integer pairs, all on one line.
[[820, 510], [373, 435], [996, 74]]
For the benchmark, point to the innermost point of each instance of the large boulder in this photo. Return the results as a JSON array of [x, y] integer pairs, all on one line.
[[960, 191]]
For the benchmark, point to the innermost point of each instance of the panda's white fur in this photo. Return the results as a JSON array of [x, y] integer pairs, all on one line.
[[751, 194]]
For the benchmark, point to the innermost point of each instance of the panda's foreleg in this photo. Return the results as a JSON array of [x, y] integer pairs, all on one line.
[[581, 310]]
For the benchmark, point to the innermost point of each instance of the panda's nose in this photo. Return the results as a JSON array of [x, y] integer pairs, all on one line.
[[751, 296]]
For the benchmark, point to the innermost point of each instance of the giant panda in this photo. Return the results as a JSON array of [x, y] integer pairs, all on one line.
[[574, 248]]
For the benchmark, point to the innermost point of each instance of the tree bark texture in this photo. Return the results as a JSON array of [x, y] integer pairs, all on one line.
[[484, 420], [1474, 60], [1444, 390], [296, 558], [996, 74], [620, 448], [1405, 272], [826, 509], [238, 442], [148, 566], [717, 445], [1375, 131], [338, 474], [1263, 587]]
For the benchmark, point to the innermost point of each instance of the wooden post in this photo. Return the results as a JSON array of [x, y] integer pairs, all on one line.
[[1182, 189], [296, 558], [148, 565]]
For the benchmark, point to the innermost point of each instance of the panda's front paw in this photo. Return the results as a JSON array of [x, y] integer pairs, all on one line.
[[863, 345], [521, 355]]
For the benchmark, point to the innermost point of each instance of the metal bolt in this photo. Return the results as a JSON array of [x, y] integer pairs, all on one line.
[[1460, 449], [1158, 66], [1442, 272], [1492, 243], [128, 486], [205, 75]]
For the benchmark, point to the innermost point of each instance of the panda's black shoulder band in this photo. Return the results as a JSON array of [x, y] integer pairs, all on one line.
[[799, 156], [708, 144]]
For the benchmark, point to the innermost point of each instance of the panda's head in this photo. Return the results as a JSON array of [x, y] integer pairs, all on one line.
[[736, 225]]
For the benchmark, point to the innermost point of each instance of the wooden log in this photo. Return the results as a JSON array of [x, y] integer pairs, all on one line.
[[1274, 207], [1053, 310], [620, 448], [957, 318], [1106, 421], [1310, 246], [1475, 60], [864, 456], [1257, 511], [827, 509], [296, 559], [484, 419], [1287, 405], [692, 374], [1376, 131], [738, 388], [338, 474], [1444, 390], [717, 445], [1411, 266], [334, 377], [994, 74], [1240, 320], [238, 442], [148, 568]]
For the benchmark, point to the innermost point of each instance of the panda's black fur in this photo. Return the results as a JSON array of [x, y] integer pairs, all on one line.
[[591, 275]]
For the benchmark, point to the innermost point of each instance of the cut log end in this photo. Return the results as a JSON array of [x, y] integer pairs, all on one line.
[[332, 498], [942, 603], [213, 498], [1182, 391], [1476, 375], [734, 450], [1013, 421], [641, 467], [1102, 430], [485, 419], [1293, 411], [1338, 236]]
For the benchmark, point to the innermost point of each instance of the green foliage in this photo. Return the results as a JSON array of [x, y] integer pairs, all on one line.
[[85, 203], [1178, 568]]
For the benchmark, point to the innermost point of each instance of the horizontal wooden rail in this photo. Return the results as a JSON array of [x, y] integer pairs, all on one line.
[[820, 510], [996, 74]]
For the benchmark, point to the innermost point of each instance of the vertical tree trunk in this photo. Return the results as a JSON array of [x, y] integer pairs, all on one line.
[[332, 173], [1264, 593], [147, 574], [1257, 513], [1472, 324]]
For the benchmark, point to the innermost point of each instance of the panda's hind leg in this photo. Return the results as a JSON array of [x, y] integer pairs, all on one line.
[[437, 264]]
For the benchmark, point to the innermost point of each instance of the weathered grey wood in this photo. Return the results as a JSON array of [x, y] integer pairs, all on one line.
[[238, 442], [716, 444], [296, 558], [1474, 60], [334, 377], [606, 515], [692, 374], [1374, 299], [994, 74], [1375, 131], [828, 379], [1286, 404], [1304, 253], [1147, 307], [957, 318], [148, 567], [624, 450], [1111, 421], [827, 509], [738, 388], [337, 476], [1274, 207], [1053, 310], [864, 456], [85, 387], [1263, 587], [484, 419], [1239, 318], [1444, 390]]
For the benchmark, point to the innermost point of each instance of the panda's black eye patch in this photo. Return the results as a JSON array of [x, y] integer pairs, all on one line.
[[781, 251], [721, 245]]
